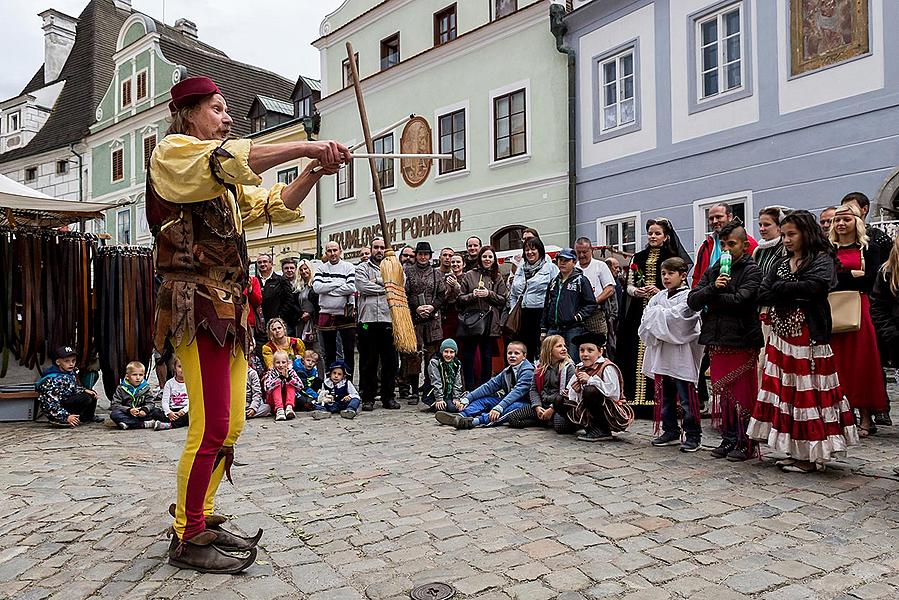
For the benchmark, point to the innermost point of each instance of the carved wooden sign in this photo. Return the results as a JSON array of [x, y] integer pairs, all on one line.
[[416, 139]]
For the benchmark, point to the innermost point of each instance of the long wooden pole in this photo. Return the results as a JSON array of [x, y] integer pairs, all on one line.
[[369, 146]]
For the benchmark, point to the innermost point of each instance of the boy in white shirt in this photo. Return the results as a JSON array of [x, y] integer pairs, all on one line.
[[174, 401], [670, 331]]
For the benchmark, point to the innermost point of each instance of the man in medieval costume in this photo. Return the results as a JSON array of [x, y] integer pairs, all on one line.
[[201, 194]]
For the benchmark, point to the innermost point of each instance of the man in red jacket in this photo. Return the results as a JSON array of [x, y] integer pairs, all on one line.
[[710, 251]]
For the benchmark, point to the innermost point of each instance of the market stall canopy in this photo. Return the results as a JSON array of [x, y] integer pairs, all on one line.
[[21, 205]]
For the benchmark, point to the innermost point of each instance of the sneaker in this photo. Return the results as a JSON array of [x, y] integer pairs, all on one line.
[[97, 419], [413, 400], [288, 412], [123, 426], [318, 415], [162, 425], [151, 424], [392, 404], [280, 415], [738, 454], [689, 445], [668, 438], [883, 419], [447, 418], [594, 434], [723, 449], [368, 406], [465, 423], [348, 413]]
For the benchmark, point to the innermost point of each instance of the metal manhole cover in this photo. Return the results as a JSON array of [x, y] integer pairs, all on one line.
[[433, 591]]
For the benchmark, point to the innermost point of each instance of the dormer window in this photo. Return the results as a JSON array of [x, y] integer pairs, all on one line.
[[258, 123], [126, 93], [13, 121], [142, 85]]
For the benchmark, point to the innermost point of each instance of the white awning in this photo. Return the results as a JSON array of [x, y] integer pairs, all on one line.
[[28, 206]]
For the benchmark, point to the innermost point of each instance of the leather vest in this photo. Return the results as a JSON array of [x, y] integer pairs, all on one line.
[[202, 258]]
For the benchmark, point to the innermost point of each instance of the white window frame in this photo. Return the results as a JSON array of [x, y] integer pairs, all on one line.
[[135, 98], [18, 118], [143, 146], [700, 223], [338, 201], [25, 174], [65, 167], [524, 84], [442, 112], [635, 216], [619, 87], [721, 41], [396, 172], [119, 213], [295, 171]]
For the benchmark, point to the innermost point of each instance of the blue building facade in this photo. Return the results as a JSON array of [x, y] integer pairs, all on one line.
[[685, 103]]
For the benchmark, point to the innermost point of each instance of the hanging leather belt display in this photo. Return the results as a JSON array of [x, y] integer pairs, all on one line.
[[47, 297], [123, 278]]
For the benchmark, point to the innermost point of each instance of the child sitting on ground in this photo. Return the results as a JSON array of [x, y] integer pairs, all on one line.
[[595, 397], [256, 406], [62, 397], [444, 388], [133, 405], [307, 371], [550, 387], [493, 402], [338, 395], [281, 385], [174, 401], [670, 331]]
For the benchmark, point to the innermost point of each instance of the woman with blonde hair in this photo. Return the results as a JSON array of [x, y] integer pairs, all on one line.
[[278, 340], [885, 305], [554, 372], [856, 353], [306, 300]]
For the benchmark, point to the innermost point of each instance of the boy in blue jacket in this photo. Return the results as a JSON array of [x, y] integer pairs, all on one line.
[[62, 397], [492, 403], [308, 373], [133, 405]]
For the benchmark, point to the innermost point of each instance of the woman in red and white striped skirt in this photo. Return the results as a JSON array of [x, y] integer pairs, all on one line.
[[801, 409]]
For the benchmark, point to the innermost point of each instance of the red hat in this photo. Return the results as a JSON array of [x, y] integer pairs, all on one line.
[[189, 89]]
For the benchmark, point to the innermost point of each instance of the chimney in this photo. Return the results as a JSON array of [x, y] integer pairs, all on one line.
[[186, 27], [59, 37]]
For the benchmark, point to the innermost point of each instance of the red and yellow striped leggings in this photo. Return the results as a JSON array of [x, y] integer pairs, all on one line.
[[216, 381]]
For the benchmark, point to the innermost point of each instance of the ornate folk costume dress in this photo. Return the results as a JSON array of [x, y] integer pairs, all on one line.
[[801, 409], [200, 195], [637, 388]]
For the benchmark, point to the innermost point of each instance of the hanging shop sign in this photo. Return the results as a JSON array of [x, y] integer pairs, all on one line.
[[401, 230], [416, 139]]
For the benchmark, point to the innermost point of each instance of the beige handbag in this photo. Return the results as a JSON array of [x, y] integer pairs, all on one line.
[[845, 311]]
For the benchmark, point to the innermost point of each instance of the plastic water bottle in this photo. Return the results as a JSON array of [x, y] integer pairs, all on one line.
[[725, 263]]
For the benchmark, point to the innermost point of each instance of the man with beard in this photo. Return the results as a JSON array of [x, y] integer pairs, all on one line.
[[375, 331], [473, 248]]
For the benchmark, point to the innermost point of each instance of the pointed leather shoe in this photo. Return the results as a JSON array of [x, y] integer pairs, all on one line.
[[201, 554], [225, 540]]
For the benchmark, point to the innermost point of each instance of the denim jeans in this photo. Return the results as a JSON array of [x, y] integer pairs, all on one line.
[[676, 391], [480, 408], [339, 405], [569, 334]]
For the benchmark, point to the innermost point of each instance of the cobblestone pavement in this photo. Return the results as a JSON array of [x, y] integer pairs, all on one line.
[[369, 508]]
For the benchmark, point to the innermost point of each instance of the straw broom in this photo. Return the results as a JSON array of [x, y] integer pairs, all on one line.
[[391, 270]]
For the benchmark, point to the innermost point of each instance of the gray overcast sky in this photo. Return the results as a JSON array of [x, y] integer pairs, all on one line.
[[275, 35]]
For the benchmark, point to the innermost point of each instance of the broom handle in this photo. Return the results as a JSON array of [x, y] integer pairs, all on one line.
[[369, 145]]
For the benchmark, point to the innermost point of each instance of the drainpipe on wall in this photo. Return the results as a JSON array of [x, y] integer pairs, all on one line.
[[80, 180], [557, 26]]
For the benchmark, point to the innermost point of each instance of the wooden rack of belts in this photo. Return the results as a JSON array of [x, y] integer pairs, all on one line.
[[47, 298], [126, 296]]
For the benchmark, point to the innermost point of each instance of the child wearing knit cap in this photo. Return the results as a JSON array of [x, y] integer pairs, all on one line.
[[445, 387]]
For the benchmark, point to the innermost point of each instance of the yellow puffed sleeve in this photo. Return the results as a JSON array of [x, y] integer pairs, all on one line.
[[258, 205], [181, 169]]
